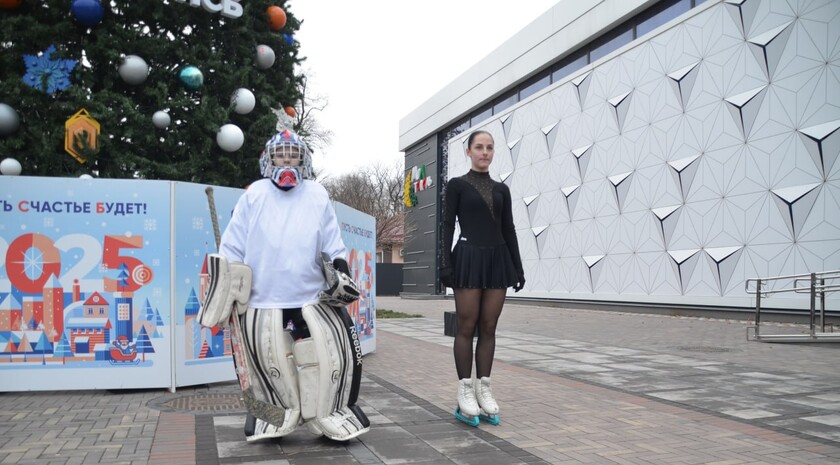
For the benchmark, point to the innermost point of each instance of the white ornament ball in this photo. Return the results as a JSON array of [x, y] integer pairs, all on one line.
[[134, 70], [265, 56], [85, 176], [230, 138], [10, 167], [243, 101], [9, 120], [161, 119]]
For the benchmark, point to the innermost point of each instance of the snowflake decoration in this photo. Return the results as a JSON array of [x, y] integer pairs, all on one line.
[[45, 74]]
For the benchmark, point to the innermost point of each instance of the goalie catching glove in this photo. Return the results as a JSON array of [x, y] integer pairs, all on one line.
[[341, 290], [230, 285]]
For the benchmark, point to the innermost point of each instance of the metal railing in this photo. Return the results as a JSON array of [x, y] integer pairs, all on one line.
[[817, 285]]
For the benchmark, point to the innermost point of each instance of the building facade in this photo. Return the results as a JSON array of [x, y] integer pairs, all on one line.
[[656, 152]]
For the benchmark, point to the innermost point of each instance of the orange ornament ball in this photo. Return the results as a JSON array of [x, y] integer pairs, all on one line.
[[9, 4], [276, 17], [290, 111]]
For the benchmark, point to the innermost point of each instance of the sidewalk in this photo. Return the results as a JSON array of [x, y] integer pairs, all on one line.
[[574, 386]]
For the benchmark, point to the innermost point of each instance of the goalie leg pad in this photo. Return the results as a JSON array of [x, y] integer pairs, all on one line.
[[327, 363], [274, 376], [230, 285]]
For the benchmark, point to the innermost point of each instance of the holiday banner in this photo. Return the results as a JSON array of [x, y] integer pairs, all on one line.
[[202, 355], [101, 280], [358, 231], [84, 284]]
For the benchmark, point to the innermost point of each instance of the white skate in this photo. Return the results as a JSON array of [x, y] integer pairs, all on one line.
[[468, 409], [484, 396]]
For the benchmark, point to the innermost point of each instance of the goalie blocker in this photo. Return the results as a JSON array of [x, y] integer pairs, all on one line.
[[230, 285]]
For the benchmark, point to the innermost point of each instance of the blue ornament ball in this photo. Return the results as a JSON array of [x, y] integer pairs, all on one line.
[[290, 39], [191, 77], [87, 12]]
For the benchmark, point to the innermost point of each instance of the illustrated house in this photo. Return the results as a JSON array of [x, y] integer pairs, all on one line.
[[96, 306], [87, 332]]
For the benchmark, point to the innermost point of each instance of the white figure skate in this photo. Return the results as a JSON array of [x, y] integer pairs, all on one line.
[[489, 411], [468, 409]]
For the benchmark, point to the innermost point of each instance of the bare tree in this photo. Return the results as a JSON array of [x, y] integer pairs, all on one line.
[[376, 190], [317, 137]]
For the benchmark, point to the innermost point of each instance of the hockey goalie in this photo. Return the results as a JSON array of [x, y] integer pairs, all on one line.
[[281, 281]]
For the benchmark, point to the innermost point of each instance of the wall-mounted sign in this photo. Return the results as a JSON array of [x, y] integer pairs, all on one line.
[[228, 8]]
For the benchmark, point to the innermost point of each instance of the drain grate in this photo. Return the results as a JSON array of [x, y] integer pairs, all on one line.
[[207, 403], [704, 349]]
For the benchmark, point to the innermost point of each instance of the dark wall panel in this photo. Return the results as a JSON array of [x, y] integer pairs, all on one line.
[[419, 267]]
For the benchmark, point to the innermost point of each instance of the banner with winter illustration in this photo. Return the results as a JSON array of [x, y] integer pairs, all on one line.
[[84, 284], [358, 231], [202, 355]]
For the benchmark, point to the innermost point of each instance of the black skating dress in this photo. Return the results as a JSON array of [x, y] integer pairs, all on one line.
[[486, 255]]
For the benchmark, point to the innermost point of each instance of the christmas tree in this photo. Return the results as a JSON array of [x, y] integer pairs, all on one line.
[[58, 58]]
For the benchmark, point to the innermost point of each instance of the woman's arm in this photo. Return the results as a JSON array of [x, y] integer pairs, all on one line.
[[451, 199], [509, 234]]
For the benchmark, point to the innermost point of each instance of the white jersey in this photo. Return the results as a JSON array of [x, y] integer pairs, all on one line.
[[280, 235]]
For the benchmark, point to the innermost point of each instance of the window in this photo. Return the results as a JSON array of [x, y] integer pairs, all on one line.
[[505, 101], [534, 86], [481, 115], [570, 65], [611, 43], [661, 16]]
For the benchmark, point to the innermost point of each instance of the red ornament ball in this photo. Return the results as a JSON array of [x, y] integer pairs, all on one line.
[[10, 4], [290, 111], [276, 17]]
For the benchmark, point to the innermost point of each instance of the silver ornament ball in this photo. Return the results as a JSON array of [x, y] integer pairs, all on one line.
[[265, 56], [243, 101], [134, 70], [10, 167], [230, 138], [9, 120], [161, 119]]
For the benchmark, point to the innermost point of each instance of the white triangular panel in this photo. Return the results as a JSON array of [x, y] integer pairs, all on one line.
[[667, 218], [620, 104], [684, 171], [571, 194], [768, 47], [550, 133], [581, 84], [823, 143], [621, 186], [538, 230], [592, 260], [724, 261], [682, 81], [506, 121], [528, 200], [795, 204], [595, 265], [582, 157], [684, 261], [744, 108], [514, 150], [743, 13]]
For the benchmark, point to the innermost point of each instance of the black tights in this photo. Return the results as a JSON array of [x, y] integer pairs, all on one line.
[[481, 307]]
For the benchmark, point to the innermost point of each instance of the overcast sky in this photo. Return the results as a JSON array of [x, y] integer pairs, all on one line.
[[377, 60]]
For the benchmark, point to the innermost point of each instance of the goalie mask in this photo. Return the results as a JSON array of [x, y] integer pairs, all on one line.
[[286, 160]]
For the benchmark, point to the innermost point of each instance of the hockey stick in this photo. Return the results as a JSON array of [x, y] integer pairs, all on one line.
[[260, 409]]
